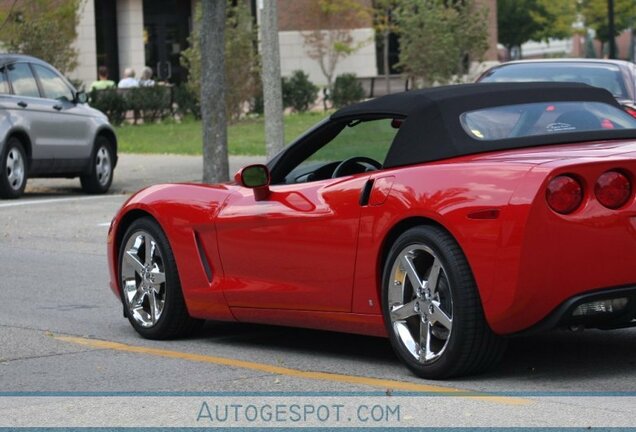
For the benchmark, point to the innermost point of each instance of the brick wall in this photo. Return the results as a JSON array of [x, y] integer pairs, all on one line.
[[302, 15]]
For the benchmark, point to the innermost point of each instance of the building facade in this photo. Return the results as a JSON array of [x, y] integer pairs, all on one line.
[[139, 33]]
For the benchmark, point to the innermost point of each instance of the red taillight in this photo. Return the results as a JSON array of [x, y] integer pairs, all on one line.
[[564, 194], [631, 111], [613, 189]]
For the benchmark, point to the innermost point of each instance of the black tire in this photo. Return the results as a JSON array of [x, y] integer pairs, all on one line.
[[174, 320], [13, 161], [100, 176], [465, 344]]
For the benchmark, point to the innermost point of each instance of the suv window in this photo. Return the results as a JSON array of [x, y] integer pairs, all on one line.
[[53, 85], [23, 80]]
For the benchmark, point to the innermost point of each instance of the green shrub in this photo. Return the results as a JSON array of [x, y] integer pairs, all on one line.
[[186, 102], [149, 103], [111, 103], [298, 92], [346, 90]]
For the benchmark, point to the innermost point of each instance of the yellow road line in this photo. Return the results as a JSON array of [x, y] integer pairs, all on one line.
[[384, 384]]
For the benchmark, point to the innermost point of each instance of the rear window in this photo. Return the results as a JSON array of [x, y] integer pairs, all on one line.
[[605, 76], [545, 118]]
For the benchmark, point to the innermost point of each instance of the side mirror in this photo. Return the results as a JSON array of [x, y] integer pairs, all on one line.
[[255, 177], [81, 97]]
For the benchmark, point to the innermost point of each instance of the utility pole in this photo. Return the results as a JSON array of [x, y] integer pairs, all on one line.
[[611, 29], [213, 115], [272, 91]]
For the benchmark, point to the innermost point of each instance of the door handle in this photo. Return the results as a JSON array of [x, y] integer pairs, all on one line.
[[57, 107], [23, 104]]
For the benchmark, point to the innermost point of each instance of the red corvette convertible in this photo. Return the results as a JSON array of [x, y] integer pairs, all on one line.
[[446, 219]]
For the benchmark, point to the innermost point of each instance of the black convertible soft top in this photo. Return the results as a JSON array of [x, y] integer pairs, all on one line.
[[432, 129]]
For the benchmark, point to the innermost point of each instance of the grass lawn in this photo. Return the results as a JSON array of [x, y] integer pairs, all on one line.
[[246, 137]]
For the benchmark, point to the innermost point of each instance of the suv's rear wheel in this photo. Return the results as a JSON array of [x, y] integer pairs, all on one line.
[[13, 163], [100, 177]]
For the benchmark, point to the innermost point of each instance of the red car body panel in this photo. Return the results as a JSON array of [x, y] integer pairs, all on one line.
[[310, 256]]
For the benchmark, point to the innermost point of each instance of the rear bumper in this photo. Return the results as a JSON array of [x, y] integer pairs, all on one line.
[[562, 316]]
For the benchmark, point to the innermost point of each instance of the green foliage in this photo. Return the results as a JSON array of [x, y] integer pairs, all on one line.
[[242, 77], [298, 92], [439, 38], [346, 90], [186, 103], [111, 103], [46, 32], [332, 40], [555, 19], [519, 21], [595, 15], [149, 103]]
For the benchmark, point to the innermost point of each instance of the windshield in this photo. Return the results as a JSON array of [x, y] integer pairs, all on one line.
[[605, 76], [543, 118]]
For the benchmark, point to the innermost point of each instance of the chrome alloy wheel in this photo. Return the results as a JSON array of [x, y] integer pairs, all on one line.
[[103, 166], [15, 169], [420, 303], [143, 279]]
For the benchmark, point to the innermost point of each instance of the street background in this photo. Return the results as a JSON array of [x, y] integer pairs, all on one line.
[[55, 302]]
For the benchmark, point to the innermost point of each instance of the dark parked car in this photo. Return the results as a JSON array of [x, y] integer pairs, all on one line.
[[47, 130], [616, 76]]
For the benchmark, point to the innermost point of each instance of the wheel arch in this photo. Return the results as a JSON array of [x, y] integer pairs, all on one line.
[[394, 233], [125, 222], [24, 138], [110, 135]]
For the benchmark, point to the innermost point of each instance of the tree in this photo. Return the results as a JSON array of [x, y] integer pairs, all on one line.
[[594, 13], [46, 32], [520, 21], [272, 89], [385, 24], [331, 40], [213, 114], [241, 58], [438, 40], [555, 19]]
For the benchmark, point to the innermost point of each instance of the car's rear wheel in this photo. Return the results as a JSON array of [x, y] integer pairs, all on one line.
[[432, 309], [150, 286], [100, 176], [13, 163]]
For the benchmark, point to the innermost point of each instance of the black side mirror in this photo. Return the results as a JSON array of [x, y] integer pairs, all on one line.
[[81, 97], [255, 177]]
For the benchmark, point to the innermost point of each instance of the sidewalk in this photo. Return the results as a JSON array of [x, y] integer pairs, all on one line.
[[135, 171]]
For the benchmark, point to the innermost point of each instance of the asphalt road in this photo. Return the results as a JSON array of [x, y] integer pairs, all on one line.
[[62, 330]]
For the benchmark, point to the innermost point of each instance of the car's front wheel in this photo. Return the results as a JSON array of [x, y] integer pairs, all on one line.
[[150, 286], [432, 309], [13, 163], [100, 176]]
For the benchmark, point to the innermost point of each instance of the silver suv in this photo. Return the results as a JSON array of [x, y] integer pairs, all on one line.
[[47, 130]]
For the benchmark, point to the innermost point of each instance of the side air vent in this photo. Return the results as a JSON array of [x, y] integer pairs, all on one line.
[[202, 256]]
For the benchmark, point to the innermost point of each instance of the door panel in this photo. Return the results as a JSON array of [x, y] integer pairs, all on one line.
[[67, 122], [295, 250]]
